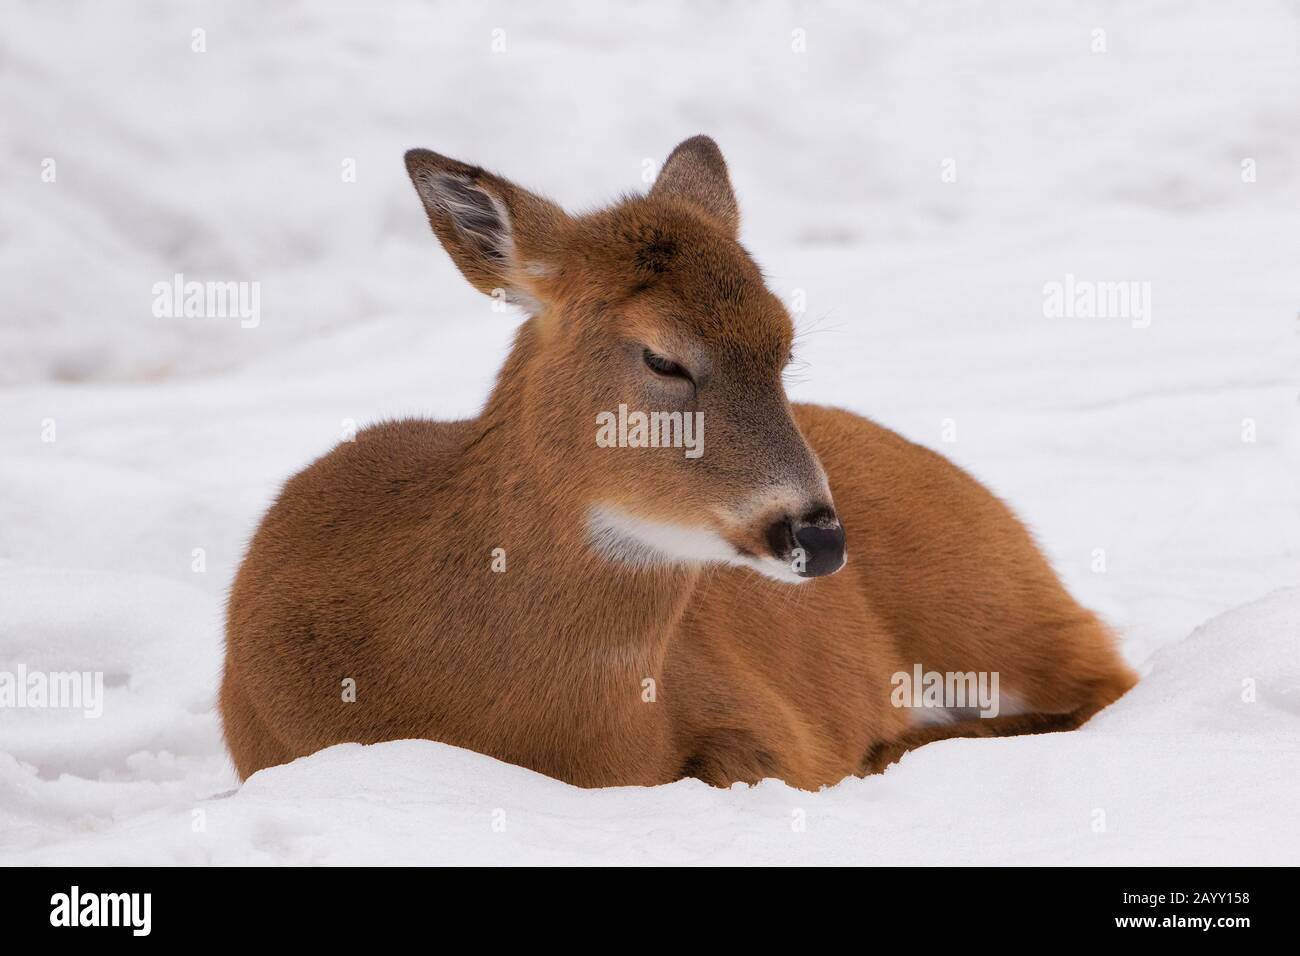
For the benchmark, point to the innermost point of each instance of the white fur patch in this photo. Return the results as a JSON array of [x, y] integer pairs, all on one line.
[[639, 543], [1009, 705]]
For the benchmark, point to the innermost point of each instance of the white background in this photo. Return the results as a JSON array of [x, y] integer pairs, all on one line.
[[924, 304]]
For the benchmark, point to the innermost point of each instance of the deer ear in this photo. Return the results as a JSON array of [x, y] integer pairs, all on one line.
[[500, 236], [696, 172]]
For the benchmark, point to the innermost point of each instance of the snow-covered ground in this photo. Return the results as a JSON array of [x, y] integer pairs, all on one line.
[[1157, 465]]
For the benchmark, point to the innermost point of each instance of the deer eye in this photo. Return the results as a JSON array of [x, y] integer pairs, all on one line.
[[665, 367]]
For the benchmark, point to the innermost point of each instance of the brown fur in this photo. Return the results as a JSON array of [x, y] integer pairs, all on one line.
[[375, 563]]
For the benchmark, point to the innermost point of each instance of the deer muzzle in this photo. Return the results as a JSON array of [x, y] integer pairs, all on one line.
[[812, 544]]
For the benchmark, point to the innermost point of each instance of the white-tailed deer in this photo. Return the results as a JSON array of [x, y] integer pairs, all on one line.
[[633, 615]]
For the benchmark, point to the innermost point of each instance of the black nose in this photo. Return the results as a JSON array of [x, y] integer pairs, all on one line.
[[813, 544]]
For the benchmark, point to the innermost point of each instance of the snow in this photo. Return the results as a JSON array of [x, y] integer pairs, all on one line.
[[1183, 771], [1117, 444]]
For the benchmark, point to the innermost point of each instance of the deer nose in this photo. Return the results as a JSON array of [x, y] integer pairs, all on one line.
[[813, 544]]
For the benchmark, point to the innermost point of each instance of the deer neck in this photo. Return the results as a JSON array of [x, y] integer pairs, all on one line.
[[529, 497]]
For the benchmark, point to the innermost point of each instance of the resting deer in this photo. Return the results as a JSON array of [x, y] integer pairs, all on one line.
[[635, 615]]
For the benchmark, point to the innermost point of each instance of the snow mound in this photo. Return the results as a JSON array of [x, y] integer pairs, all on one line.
[[1200, 764]]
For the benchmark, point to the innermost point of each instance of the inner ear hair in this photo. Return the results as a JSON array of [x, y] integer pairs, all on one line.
[[480, 218], [500, 235]]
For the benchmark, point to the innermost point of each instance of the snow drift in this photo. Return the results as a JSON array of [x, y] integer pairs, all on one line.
[[1198, 764]]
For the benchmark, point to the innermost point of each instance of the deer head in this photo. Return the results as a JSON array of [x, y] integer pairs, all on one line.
[[652, 308]]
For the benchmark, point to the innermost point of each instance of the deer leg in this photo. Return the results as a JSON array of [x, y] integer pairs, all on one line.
[[726, 758], [883, 754], [1087, 678]]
